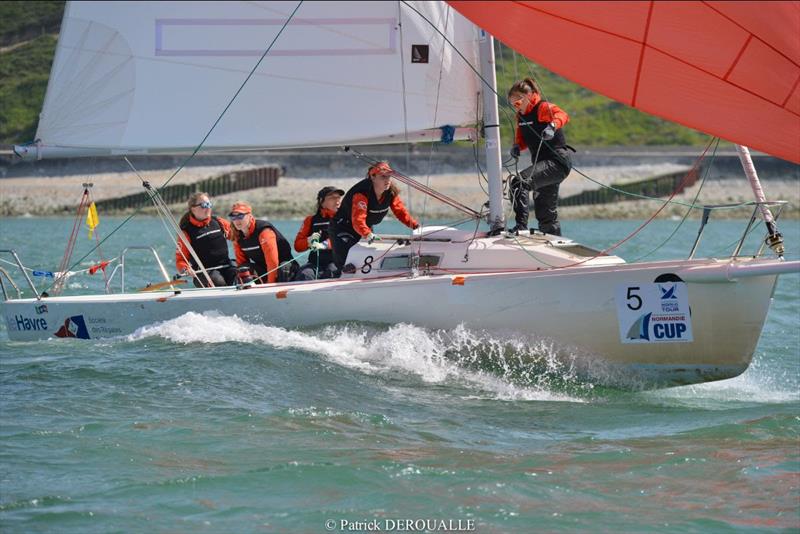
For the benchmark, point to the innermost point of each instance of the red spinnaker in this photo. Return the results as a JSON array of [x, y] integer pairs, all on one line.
[[730, 69]]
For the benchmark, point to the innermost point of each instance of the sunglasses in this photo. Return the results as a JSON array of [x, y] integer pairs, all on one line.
[[205, 205], [236, 216]]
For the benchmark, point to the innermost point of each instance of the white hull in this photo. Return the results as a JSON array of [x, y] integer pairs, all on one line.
[[574, 307]]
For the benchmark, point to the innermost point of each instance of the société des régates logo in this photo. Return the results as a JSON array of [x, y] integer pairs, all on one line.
[[74, 326]]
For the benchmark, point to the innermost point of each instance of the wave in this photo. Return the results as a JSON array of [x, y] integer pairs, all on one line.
[[485, 366], [501, 369]]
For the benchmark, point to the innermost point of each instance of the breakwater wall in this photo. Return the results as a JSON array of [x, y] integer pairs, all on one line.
[[231, 182], [419, 160], [655, 187]]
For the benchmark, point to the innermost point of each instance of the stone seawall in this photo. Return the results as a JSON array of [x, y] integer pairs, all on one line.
[[420, 161]]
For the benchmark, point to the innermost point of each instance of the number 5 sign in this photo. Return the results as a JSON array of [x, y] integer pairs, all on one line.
[[654, 313]]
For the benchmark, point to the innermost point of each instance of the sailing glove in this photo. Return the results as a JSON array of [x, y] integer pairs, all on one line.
[[316, 245], [372, 237], [514, 151], [549, 132]]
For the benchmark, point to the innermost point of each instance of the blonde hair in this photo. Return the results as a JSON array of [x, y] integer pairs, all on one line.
[[193, 198]]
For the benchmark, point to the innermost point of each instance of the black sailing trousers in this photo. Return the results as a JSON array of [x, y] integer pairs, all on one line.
[[543, 179]]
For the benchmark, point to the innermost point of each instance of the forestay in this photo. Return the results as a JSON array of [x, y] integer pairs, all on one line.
[[154, 76]]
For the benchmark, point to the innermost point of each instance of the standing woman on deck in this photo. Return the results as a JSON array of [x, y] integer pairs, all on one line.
[[260, 247], [208, 235], [539, 129], [364, 206]]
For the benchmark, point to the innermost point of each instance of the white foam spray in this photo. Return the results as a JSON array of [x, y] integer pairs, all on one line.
[[486, 367]]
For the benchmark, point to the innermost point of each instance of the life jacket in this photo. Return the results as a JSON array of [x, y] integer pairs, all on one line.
[[531, 129], [252, 249], [208, 242], [376, 209], [322, 225]]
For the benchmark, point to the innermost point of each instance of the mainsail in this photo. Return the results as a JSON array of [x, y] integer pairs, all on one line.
[[730, 69], [153, 77]]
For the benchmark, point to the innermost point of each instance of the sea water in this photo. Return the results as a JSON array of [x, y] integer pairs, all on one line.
[[207, 423]]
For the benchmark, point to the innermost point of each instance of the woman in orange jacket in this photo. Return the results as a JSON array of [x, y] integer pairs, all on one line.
[[539, 129], [260, 247], [364, 206], [315, 235]]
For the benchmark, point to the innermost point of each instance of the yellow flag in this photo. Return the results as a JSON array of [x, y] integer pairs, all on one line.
[[92, 220]]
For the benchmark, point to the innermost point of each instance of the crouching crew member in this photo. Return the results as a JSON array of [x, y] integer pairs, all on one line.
[[364, 206], [261, 247], [314, 235], [208, 235]]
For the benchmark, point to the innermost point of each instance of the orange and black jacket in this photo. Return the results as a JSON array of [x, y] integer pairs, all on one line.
[[361, 209], [319, 222], [262, 248], [532, 121], [209, 239]]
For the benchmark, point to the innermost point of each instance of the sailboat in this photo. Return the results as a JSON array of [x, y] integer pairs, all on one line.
[[153, 77]]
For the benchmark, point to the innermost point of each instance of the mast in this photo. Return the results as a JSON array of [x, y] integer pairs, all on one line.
[[774, 239], [491, 125]]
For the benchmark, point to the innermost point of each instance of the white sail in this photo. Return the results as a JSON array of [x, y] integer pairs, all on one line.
[[154, 76]]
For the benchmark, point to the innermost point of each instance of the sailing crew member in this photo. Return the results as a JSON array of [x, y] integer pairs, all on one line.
[[260, 248], [314, 235], [364, 206], [208, 235], [539, 129]]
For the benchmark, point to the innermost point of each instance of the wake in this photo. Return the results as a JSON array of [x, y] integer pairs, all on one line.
[[486, 367]]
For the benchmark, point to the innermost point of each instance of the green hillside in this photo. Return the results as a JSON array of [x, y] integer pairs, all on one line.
[[23, 81], [22, 21], [595, 120]]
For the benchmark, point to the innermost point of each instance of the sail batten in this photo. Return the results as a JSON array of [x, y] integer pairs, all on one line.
[[155, 76], [730, 69]]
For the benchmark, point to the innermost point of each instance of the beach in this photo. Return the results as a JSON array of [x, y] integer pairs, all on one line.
[[294, 197]]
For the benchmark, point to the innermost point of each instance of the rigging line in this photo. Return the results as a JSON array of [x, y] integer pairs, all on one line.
[[435, 115], [688, 210], [645, 197], [233, 99], [196, 150], [58, 282], [168, 220], [499, 46], [734, 243], [70, 274], [481, 177], [280, 266], [419, 186], [578, 171], [403, 85], [531, 254], [644, 224], [652, 217], [477, 73], [457, 51], [516, 70]]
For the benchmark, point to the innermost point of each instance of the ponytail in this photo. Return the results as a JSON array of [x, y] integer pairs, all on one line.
[[524, 86]]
